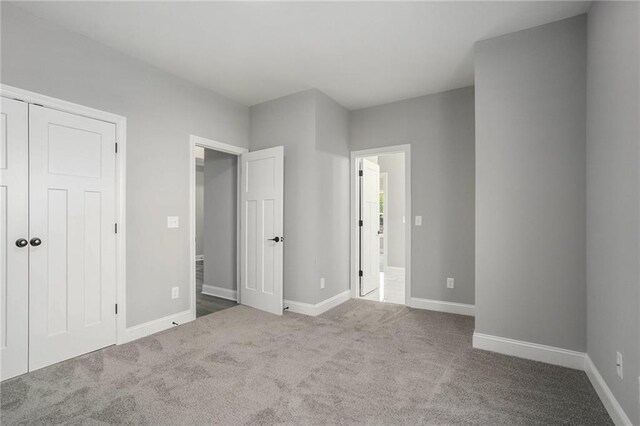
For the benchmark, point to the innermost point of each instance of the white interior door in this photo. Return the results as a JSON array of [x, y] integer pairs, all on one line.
[[72, 272], [14, 235], [261, 204], [370, 217]]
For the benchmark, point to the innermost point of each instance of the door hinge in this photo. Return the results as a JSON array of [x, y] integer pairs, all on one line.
[[115, 227], [116, 309], [359, 172], [116, 147], [361, 223], [360, 274]]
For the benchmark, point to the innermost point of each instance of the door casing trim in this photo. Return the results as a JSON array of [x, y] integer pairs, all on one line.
[[355, 156], [195, 141]]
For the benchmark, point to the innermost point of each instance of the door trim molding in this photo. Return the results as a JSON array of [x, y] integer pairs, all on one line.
[[221, 147], [355, 156], [121, 178]]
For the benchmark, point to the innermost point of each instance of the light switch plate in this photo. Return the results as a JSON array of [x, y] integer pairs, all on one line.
[[418, 220], [173, 222]]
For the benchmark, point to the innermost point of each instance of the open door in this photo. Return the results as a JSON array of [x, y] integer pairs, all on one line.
[[369, 226], [261, 204]]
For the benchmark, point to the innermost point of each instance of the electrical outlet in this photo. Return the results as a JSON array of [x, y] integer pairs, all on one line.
[[418, 220], [449, 282], [175, 292], [619, 364], [321, 282], [173, 222]]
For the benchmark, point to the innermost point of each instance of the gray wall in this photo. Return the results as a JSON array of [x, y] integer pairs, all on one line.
[[220, 219], [199, 210], [314, 132], [290, 122], [440, 129], [162, 111], [613, 196], [393, 165], [530, 185], [332, 197]]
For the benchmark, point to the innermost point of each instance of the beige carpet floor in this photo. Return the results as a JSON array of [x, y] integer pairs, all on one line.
[[360, 363]]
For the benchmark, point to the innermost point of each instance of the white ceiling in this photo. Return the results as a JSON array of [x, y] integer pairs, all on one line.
[[359, 53]]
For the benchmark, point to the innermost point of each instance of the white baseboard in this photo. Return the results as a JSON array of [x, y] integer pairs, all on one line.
[[610, 402], [318, 308], [224, 293], [199, 257], [532, 351], [156, 326], [441, 306]]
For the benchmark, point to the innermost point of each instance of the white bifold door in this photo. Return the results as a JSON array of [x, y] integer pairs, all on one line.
[[14, 234], [71, 240], [261, 210], [369, 227]]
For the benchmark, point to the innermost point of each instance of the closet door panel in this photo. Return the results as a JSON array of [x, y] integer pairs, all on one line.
[[73, 210], [14, 232]]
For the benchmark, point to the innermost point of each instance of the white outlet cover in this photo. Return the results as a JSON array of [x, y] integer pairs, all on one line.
[[173, 222], [418, 220], [175, 292], [321, 282], [450, 282], [619, 364]]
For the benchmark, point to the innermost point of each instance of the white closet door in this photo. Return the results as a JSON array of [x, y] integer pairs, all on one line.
[[14, 234], [261, 201], [369, 239], [72, 211]]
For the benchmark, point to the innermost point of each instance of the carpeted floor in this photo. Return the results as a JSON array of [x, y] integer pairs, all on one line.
[[362, 362]]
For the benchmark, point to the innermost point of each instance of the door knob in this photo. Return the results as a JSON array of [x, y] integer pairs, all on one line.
[[35, 242], [276, 239], [21, 242]]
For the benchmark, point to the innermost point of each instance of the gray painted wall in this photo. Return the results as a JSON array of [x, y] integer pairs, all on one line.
[[332, 197], [290, 122], [220, 219], [530, 185], [393, 165], [314, 132], [199, 210], [440, 129], [613, 196], [162, 111]]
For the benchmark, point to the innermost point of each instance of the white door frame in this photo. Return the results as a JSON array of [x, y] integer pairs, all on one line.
[[195, 141], [121, 161], [355, 188]]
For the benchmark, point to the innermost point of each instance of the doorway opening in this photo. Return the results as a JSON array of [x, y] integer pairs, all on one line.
[[381, 239], [215, 236]]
